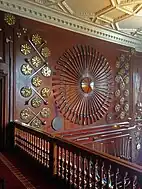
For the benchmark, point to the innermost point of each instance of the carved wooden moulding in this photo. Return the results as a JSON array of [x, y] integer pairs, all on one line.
[[82, 85]]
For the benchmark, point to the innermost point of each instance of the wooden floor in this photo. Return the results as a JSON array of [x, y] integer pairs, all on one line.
[[33, 175]]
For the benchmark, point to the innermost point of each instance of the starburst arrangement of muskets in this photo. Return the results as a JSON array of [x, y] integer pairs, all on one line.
[[71, 69]]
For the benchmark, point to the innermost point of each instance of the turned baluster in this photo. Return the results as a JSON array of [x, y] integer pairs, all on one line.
[[96, 175], [77, 169], [85, 173], [124, 180], [47, 161], [73, 167], [44, 152], [93, 173], [88, 172], [134, 182], [34, 146], [65, 164], [61, 161], [58, 161], [91, 168], [82, 172], [69, 167], [109, 179], [103, 176], [116, 174]]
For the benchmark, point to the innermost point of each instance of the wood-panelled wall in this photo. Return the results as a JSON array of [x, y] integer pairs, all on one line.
[[26, 46]]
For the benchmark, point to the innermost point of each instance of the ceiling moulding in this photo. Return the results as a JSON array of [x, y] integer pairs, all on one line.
[[46, 15]]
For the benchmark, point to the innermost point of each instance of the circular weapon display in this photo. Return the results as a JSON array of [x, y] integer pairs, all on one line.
[[45, 92], [122, 100], [36, 81], [26, 92], [45, 112], [25, 49], [122, 115], [25, 114], [36, 123], [36, 39], [26, 69], [36, 102], [9, 19], [46, 71], [117, 64], [126, 93], [36, 61], [82, 85], [45, 52]]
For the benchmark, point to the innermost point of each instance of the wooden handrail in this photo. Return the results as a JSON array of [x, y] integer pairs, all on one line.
[[31, 129]]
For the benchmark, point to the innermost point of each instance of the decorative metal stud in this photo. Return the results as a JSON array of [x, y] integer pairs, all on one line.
[[25, 114], [45, 112], [36, 81], [45, 92], [25, 30], [26, 92], [46, 71], [36, 39], [25, 49], [45, 52], [36, 102], [26, 69], [9, 40], [36, 61], [19, 34], [9, 19], [36, 123]]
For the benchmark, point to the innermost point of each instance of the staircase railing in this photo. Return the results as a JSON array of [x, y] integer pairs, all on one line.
[[75, 164]]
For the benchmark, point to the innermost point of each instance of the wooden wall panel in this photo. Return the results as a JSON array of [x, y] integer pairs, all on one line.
[[58, 41]]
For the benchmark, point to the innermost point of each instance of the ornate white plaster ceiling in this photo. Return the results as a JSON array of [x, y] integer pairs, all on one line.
[[121, 15]]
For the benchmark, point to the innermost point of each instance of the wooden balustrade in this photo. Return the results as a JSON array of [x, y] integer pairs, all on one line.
[[76, 164], [35, 143]]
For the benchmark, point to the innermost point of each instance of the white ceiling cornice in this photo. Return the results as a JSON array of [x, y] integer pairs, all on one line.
[[46, 15]]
